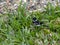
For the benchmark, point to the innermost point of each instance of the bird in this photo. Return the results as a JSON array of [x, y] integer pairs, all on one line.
[[36, 22], [39, 23]]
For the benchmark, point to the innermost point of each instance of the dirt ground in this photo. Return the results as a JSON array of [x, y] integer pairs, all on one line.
[[30, 4]]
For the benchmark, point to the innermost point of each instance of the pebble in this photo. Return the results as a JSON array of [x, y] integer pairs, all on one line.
[[1, 10], [15, 6]]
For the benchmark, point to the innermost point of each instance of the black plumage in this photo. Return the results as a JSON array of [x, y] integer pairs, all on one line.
[[34, 18], [36, 22]]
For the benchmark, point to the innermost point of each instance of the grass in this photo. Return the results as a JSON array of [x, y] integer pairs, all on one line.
[[18, 29]]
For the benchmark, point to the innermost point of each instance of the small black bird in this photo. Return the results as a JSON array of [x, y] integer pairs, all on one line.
[[36, 22]]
